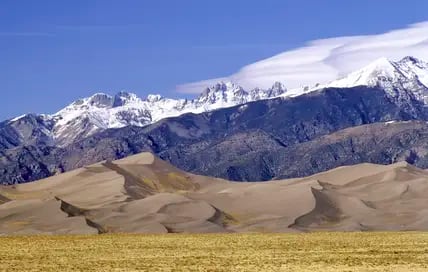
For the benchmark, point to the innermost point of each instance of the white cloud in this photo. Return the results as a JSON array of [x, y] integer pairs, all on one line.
[[325, 60]]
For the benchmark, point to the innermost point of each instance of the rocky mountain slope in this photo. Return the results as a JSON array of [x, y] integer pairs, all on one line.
[[224, 142], [270, 135], [143, 194]]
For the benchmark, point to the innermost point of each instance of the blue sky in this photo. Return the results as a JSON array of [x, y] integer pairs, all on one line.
[[53, 52]]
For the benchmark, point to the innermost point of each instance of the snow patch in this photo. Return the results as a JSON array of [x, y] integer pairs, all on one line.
[[17, 118]]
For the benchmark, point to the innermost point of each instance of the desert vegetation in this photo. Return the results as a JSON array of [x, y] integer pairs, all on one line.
[[322, 251]]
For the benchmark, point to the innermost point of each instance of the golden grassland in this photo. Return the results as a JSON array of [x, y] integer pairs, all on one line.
[[329, 251]]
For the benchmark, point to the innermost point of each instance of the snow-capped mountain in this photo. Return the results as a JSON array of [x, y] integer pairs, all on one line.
[[102, 111], [384, 91], [404, 76], [404, 80]]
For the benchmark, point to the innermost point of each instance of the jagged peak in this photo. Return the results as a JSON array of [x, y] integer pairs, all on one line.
[[409, 59], [414, 65], [278, 86], [100, 111], [412, 60], [126, 94], [228, 85], [154, 98], [94, 100], [222, 87], [277, 89], [123, 98], [101, 100]]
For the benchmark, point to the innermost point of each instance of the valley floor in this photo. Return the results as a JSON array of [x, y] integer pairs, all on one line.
[[323, 251]]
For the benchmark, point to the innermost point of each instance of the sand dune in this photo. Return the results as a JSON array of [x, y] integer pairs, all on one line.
[[143, 194]]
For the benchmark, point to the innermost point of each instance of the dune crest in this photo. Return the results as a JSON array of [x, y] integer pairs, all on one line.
[[143, 194]]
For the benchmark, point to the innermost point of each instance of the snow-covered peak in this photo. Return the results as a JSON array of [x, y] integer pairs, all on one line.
[[410, 60], [219, 89], [278, 87], [380, 70], [101, 100], [403, 80], [221, 95], [413, 67], [102, 111], [407, 74], [153, 98], [98, 100], [124, 98], [226, 94]]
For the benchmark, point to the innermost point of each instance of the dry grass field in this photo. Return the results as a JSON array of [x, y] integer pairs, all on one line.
[[334, 251]]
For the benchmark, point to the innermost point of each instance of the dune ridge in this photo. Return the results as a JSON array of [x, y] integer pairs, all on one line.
[[143, 194]]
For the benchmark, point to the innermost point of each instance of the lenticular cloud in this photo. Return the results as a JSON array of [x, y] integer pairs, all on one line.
[[326, 60]]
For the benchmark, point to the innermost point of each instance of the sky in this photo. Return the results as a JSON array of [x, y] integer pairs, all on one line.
[[54, 52]]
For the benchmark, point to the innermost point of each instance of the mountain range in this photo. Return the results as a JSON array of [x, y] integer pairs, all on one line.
[[376, 114], [99, 112]]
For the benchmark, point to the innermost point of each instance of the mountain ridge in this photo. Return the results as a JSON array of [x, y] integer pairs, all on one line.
[[101, 111], [220, 142], [402, 80], [224, 142]]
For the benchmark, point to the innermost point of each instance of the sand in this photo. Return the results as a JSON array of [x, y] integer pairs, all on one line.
[[143, 194]]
